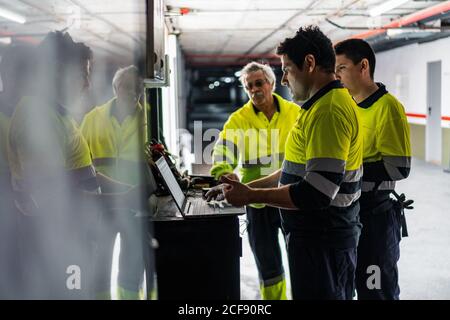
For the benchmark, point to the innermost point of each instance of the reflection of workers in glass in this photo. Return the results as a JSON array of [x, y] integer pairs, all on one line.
[[52, 172], [254, 137], [15, 65], [321, 173], [113, 132], [387, 156]]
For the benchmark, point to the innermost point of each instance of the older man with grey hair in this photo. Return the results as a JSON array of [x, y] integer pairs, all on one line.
[[253, 139], [114, 133]]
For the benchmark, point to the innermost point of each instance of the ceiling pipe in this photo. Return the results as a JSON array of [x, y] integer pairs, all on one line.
[[420, 27], [283, 25], [198, 64], [232, 56], [201, 60], [404, 21]]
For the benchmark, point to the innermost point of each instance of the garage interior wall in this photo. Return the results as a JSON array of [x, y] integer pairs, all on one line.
[[404, 72]]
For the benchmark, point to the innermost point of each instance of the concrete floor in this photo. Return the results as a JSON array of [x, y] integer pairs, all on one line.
[[424, 266]]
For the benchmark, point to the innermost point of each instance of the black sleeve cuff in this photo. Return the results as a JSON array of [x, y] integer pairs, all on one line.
[[306, 197], [375, 171]]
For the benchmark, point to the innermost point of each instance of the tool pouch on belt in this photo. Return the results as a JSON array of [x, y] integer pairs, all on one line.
[[400, 204]]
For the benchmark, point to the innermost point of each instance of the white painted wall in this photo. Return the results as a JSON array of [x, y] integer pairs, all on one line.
[[404, 72], [170, 96], [182, 87], [174, 97]]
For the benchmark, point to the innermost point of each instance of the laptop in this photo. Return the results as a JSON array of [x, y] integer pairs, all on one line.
[[193, 206]]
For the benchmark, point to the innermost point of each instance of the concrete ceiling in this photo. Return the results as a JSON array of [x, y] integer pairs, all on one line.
[[225, 31], [110, 27], [210, 31]]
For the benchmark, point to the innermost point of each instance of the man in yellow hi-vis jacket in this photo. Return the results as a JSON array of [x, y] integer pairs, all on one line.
[[254, 137], [15, 72], [320, 181], [114, 133], [57, 190], [387, 158]]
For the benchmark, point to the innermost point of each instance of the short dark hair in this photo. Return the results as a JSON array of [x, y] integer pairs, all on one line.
[[309, 40], [356, 50], [60, 47], [57, 56]]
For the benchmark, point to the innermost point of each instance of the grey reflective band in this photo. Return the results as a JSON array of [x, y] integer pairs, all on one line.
[[393, 172], [83, 173], [121, 164], [74, 175], [345, 200], [293, 168], [392, 164], [353, 175], [370, 186], [110, 161], [263, 161], [104, 161], [326, 164], [322, 184], [397, 161], [272, 281]]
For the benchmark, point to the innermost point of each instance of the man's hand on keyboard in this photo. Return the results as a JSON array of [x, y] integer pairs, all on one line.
[[214, 204], [220, 203], [215, 193]]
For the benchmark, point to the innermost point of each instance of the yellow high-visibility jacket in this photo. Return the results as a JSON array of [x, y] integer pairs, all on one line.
[[324, 167], [48, 158], [250, 140], [116, 148], [387, 146], [45, 141]]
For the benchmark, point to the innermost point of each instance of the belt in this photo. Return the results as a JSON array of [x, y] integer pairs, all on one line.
[[400, 205], [383, 203]]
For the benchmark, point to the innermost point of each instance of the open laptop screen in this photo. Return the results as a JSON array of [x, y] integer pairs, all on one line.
[[171, 182]]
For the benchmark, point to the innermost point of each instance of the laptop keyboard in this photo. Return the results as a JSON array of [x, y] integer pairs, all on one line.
[[201, 207]]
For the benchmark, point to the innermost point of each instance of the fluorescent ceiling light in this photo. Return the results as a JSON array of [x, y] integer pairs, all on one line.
[[396, 32], [386, 6], [7, 14]]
